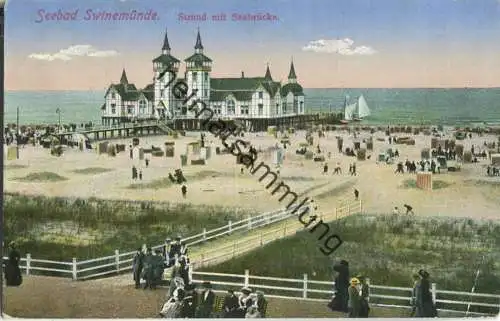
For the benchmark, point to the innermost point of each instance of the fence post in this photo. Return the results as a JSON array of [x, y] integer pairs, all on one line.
[[367, 280], [204, 234], [229, 227], [433, 291], [117, 260], [304, 291], [336, 214], [234, 249], [28, 263], [249, 222], [261, 243], [74, 270], [202, 261], [247, 278], [360, 207], [284, 229], [348, 209]]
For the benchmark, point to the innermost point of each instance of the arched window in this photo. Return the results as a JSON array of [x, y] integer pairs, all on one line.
[[230, 107]]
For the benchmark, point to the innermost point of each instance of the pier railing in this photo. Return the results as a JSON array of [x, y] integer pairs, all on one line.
[[453, 303]]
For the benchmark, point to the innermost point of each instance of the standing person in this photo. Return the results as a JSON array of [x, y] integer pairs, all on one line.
[[424, 302], [325, 168], [242, 302], [354, 169], [354, 304], [138, 265], [261, 304], [134, 172], [140, 175], [415, 293], [207, 300], [339, 302], [146, 161], [175, 248], [158, 268], [230, 305], [395, 211], [148, 269], [184, 249], [13, 275], [184, 191], [350, 169], [356, 194], [166, 252], [184, 270], [365, 297], [131, 151]]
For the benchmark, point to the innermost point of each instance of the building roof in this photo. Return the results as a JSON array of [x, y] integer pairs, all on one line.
[[198, 44], [294, 88], [103, 107], [268, 74], [123, 78], [241, 88], [166, 45], [130, 92], [166, 59], [198, 59], [291, 74]]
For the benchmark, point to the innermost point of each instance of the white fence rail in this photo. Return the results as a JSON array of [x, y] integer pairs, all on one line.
[[121, 262], [321, 291]]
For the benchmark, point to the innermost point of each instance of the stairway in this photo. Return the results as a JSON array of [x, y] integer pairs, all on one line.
[[164, 128]]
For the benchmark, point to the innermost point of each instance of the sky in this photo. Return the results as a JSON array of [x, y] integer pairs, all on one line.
[[333, 43]]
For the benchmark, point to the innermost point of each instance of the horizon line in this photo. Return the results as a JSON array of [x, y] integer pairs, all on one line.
[[87, 90]]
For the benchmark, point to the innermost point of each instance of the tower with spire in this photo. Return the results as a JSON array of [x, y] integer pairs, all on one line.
[[123, 78], [165, 67], [292, 77], [293, 94], [198, 68]]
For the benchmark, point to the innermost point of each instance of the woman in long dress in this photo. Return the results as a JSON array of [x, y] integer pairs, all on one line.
[[12, 272]]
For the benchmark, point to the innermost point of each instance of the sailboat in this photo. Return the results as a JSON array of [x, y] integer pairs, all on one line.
[[355, 111]]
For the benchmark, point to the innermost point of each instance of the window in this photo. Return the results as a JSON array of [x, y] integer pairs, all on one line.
[[261, 95], [301, 107], [113, 108], [218, 110], [113, 96], [206, 76], [244, 109], [130, 109], [261, 109], [205, 92], [284, 108], [195, 75], [142, 106], [230, 107], [277, 109]]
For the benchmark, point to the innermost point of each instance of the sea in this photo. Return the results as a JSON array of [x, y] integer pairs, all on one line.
[[449, 107]]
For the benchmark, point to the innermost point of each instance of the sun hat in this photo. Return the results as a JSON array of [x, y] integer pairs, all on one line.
[[354, 281]]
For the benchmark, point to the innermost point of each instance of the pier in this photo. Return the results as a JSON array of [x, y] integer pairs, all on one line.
[[162, 127]]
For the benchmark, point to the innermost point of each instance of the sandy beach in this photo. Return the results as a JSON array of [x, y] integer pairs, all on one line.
[[469, 194]]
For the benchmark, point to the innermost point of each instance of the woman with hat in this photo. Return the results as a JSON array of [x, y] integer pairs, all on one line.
[[354, 303], [424, 303], [172, 308], [242, 302], [12, 272]]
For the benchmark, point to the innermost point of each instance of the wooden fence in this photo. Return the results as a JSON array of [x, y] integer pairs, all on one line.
[[448, 302], [122, 262]]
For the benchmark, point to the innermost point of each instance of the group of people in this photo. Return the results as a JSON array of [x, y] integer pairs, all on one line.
[[150, 266], [351, 295], [185, 301]]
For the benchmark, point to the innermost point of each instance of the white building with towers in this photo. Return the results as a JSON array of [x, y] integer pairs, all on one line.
[[229, 98]]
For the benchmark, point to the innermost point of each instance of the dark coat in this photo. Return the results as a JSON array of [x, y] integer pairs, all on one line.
[[424, 304], [188, 307], [365, 306], [339, 303], [354, 303], [230, 306], [138, 265], [205, 305], [175, 248], [13, 275]]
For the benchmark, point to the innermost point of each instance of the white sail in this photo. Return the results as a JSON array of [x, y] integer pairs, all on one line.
[[363, 110], [349, 111]]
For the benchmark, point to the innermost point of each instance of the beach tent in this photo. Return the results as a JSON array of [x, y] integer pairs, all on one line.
[[495, 159]]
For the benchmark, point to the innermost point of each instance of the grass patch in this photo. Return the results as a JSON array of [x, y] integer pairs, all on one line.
[[342, 188], [113, 224], [92, 170], [388, 249], [14, 166], [42, 177], [165, 182], [436, 184]]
